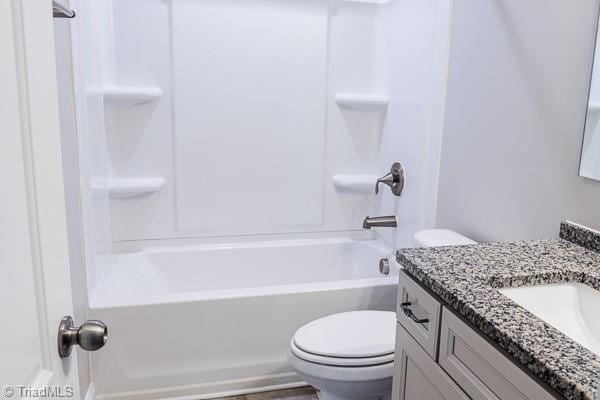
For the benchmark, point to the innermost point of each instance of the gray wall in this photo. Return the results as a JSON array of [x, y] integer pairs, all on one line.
[[517, 93]]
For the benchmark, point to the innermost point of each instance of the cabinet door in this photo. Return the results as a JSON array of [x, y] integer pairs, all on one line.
[[482, 371], [417, 376]]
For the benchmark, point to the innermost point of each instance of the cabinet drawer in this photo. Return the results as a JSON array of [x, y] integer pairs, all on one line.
[[417, 376], [419, 313], [480, 369]]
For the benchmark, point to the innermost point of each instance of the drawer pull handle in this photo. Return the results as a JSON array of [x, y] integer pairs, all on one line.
[[408, 312]]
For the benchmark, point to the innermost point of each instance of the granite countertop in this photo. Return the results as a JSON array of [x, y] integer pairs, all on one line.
[[467, 277]]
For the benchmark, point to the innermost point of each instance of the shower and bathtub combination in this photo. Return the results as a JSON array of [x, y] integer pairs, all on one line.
[[229, 152]]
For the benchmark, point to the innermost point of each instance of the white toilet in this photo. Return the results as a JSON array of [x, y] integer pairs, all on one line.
[[350, 355]]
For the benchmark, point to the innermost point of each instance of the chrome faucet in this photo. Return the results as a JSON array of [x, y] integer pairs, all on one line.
[[389, 221]]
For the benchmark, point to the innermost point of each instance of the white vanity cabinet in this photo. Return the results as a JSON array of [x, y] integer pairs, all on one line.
[[440, 357]]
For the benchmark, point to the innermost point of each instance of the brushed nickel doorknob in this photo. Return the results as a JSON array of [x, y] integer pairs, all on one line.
[[90, 336]]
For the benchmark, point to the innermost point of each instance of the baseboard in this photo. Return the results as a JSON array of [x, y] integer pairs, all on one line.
[[210, 390]]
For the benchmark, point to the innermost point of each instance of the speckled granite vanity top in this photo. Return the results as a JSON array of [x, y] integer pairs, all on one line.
[[466, 278]]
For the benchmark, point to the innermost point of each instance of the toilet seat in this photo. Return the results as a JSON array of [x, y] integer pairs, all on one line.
[[350, 339], [339, 373], [341, 361]]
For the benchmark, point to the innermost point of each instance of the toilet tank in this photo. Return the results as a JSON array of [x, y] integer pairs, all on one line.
[[440, 237]]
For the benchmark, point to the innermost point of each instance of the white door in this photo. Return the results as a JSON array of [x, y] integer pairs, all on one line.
[[35, 289]]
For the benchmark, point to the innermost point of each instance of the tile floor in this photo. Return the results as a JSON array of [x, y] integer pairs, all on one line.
[[302, 393]]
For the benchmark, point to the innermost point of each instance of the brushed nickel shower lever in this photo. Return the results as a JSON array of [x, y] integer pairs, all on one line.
[[60, 11], [394, 179]]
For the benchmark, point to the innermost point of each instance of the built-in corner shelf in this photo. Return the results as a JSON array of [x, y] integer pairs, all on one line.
[[594, 107], [124, 188], [358, 183], [361, 101], [131, 95]]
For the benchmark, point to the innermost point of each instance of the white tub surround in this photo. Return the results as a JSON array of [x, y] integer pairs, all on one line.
[[200, 123]]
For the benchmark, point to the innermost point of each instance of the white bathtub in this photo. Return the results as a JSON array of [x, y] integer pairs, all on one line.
[[204, 321]]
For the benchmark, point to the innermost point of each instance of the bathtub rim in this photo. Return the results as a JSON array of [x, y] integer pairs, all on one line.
[[377, 244]]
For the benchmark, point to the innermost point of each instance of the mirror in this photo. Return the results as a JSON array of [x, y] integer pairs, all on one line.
[[590, 152]]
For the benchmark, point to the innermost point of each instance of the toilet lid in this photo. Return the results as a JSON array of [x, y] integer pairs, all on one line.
[[355, 334]]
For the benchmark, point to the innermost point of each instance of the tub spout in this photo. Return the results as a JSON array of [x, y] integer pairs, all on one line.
[[388, 221]]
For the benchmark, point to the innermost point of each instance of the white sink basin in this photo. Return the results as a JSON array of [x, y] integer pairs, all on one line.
[[572, 308]]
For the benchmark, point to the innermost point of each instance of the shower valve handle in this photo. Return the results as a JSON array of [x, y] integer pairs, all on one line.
[[394, 179]]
